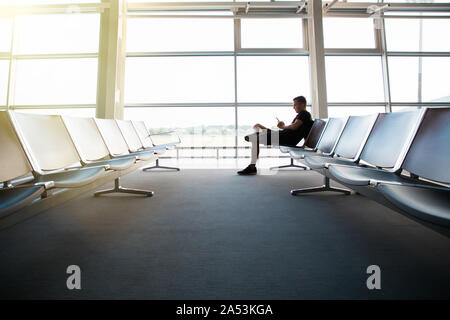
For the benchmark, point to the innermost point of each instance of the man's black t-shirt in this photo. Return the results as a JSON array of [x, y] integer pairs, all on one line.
[[292, 137]]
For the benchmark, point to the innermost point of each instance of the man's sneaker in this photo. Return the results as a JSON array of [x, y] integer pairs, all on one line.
[[249, 171]]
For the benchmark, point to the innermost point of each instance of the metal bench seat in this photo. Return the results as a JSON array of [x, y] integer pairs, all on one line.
[[14, 199], [363, 176], [96, 140], [325, 148], [424, 155], [72, 178], [317, 162], [149, 142], [385, 148], [424, 202], [117, 164], [349, 146]]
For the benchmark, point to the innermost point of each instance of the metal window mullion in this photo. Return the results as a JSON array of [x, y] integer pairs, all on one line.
[[237, 46], [385, 67], [55, 106], [352, 52], [209, 105], [442, 54], [418, 104], [179, 54], [305, 35], [41, 9], [11, 71], [272, 51], [40, 56]]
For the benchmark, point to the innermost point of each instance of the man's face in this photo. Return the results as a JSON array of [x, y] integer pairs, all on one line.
[[298, 106]]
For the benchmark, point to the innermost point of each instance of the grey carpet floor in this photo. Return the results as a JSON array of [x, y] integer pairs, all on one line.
[[210, 234]]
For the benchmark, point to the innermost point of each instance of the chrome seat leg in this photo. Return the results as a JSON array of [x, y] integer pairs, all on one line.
[[157, 166], [325, 187], [291, 165], [119, 189]]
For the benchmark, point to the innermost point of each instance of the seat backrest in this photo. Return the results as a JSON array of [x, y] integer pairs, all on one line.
[[389, 137], [354, 135], [46, 138], [429, 154], [112, 136], [315, 133], [130, 135], [87, 138], [331, 135], [13, 160], [143, 133]]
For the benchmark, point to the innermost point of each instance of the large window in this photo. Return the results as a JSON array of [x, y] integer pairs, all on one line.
[[4, 70], [5, 34], [179, 80], [162, 35], [421, 35], [419, 60], [54, 59], [196, 126], [272, 79], [271, 33], [345, 33], [56, 81], [206, 76], [354, 79], [424, 76], [65, 33]]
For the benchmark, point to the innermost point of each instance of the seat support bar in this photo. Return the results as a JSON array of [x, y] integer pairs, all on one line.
[[291, 165], [119, 189], [157, 166], [325, 187]]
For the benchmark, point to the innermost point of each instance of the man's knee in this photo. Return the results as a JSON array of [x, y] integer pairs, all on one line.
[[251, 137]]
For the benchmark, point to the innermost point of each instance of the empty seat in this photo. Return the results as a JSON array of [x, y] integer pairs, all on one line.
[[116, 143], [50, 150], [430, 204], [160, 140], [427, 158], [149, 143], [325, 148], [132, 137], [90, 145], [350, 144], [385, 148], [14, 199], [14, 164], [92, 149]]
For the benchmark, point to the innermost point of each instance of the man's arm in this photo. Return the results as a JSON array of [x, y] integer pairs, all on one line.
[[293, 126]]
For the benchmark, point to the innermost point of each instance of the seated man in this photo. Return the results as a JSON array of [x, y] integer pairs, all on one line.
[[289, 135]]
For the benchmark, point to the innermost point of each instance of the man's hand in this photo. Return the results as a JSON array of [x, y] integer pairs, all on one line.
[[280, 124], [258, 126]]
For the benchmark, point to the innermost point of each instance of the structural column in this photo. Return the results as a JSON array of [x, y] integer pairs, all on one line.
[[111, 61], [317, 60]]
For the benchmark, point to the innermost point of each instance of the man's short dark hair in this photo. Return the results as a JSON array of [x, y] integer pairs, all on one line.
[[300, 99]]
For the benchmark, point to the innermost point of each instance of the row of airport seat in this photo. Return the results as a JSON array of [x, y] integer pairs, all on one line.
[[41, 153], [399, 159]]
